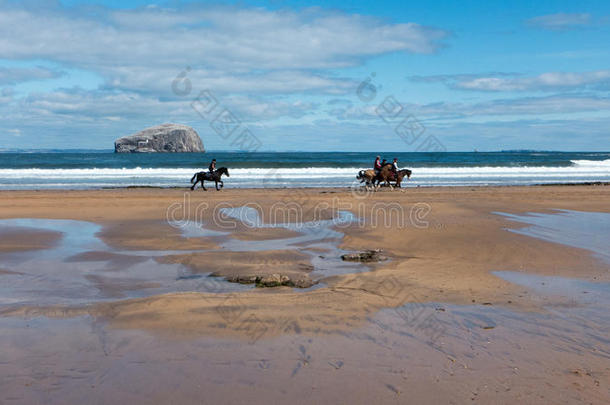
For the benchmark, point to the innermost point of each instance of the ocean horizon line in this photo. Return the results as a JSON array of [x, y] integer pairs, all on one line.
[[110, 150]]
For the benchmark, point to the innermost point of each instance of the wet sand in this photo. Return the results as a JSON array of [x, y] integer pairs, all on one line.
[[444, 320], [14, 239]]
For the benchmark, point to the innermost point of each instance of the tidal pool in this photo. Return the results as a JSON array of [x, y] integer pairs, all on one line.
[[585, 230], [82, 269]]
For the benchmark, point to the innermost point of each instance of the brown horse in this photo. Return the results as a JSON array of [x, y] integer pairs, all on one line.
[[215, 177], [386, 174]]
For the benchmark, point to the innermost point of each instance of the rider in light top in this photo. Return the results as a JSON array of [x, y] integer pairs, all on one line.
[[395, 166], [212, 166]]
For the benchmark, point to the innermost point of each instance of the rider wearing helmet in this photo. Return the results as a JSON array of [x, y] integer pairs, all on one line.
[[212, 166]]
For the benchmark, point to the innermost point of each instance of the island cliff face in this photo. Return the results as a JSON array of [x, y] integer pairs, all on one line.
[[161, 138]]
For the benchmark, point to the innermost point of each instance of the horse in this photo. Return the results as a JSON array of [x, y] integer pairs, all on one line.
[[386, 174], [367, 177], [214, 176], [401, 175]]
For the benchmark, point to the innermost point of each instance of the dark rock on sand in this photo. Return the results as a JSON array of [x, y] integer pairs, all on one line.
[[273, 280], [240, 279], [161, 138], [366, 256], [270, 280]]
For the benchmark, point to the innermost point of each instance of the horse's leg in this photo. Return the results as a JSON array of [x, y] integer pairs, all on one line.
[[216, 185], [379, 181], [193, 186], [202, 185]]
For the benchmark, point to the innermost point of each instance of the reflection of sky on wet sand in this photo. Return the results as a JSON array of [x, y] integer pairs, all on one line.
[[318, 239], [585, 230], [81, 268]]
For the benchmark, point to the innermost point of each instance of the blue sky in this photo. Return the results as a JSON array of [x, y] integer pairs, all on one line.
[[472, 74]]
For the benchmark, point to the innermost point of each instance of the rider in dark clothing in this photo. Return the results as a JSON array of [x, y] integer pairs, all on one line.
[[212, 166], [377, 165]]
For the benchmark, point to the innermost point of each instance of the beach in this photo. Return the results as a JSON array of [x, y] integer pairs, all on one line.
[[304, 203], [473, 299]]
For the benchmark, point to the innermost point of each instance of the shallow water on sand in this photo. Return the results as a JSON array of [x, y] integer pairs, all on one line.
[[319, 239], [579, 291], [585, 230], [82, 269]]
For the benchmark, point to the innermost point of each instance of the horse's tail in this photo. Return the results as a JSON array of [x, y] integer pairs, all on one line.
[[193, 178]]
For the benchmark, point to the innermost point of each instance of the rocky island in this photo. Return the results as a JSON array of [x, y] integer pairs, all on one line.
[[161, 138]]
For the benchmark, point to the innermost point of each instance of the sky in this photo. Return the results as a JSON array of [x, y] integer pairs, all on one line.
[[305, 76]]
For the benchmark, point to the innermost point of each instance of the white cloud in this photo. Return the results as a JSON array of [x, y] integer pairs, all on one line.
[[560, 21], [81, 105], [538, 105], [159, 81], [351, 112], [550, 81], [14, 75], [94, 119], [525, 106], [6, 95], [545, 81], [14, 132], [219, 37], [259, 109]]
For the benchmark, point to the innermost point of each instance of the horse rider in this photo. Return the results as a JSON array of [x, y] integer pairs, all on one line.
[[377, 165], [395, 167], [212, 166]]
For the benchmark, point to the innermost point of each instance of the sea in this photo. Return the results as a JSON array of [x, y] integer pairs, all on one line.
[[94, 169]]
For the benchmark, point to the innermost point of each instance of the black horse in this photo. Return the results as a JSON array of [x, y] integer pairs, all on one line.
[[215, 177]]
